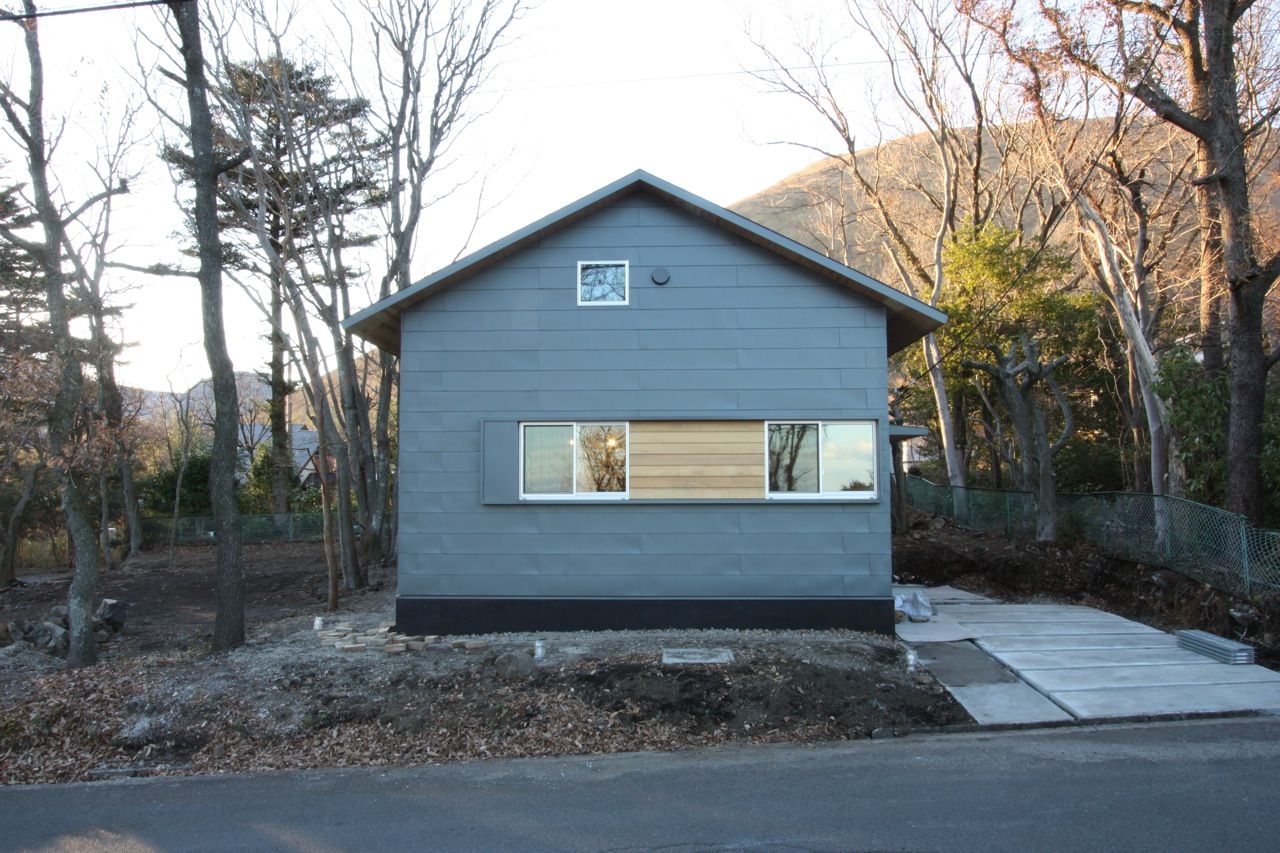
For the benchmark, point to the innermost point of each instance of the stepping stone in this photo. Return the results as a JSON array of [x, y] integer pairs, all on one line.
[[1007, 704], [679, 657], [962, 664], [939, 629], [1075, 658], [1077, 642], [1195, 675], [1183, 699], [1064, 628]]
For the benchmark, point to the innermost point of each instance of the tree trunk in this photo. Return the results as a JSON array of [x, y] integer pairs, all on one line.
[[282, 475], [1046, 483], [132, 512], [946, 430], [228, 628], [13, 528], [63, 414], [384, 505], [104, 522]]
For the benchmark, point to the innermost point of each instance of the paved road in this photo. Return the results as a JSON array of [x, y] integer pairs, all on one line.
[[1205, 785]]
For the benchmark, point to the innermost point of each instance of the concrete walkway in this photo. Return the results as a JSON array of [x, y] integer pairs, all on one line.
[[1066, 662]]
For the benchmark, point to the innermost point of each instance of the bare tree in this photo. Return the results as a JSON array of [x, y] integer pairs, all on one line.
[[228, 629], [25, 117], [1205, 67], [433, 58], [1126, 181], [934, 58], [1017, 376]]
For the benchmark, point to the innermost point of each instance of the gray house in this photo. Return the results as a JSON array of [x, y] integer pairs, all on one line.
[[644, 410]]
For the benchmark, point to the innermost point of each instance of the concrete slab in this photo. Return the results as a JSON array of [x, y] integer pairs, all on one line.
[[1022, 608], [999, 614], [1007, 704], [1073, 658], [963, 664], [695, 656], [1077, 642], [1064, 628], [939, 629], [1159, 675], [1185, 699]]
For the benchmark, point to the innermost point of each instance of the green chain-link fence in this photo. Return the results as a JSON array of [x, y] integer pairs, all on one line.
[[1211, 545], [195, 530]]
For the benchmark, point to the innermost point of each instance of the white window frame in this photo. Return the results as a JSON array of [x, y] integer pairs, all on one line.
[[872, 495], [575, 495], [626, 285]]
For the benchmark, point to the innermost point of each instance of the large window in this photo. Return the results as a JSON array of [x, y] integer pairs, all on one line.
[[815, 458], [602, 282], [573, 460]]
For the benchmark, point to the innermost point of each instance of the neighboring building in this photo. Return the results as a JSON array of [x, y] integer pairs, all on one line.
[[644, 410], [304, 443]]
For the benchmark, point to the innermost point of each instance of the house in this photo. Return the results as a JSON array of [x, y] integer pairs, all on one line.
[[644, 410]]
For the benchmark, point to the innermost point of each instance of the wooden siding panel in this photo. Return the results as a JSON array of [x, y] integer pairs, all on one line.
[[703, 460]]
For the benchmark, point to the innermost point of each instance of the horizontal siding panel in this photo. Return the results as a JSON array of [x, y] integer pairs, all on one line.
[[654, 401], [739, 378], [661, 360], [821, 335], [633, 518], [531, 544], [819, 358], [637, 565]]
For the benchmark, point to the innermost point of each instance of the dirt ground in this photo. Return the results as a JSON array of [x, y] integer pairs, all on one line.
[[933, 552], [160, 703]]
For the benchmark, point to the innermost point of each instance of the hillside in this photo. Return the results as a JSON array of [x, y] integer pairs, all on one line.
[[821, 207]]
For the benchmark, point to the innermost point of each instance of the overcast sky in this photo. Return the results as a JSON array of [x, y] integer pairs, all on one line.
[[589, 91]]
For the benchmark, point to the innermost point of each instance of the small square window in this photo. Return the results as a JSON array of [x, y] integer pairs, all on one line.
[[602, 282]]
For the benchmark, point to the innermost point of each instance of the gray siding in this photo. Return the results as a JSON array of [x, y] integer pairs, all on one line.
[[737, 333]]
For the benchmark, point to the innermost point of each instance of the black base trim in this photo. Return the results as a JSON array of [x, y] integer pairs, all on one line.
[[435, 615]]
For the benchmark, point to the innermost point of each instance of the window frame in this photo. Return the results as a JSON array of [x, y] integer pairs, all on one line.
[[575, 495], [626, 285], [872, 495]]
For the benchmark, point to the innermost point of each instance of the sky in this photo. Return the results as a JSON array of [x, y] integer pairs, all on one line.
[[587, 91]]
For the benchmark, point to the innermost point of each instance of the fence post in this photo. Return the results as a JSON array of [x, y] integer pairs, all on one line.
[[1244, 556], [292, 516]]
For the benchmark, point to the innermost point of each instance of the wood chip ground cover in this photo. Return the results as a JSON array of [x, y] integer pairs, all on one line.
[[160, 703]]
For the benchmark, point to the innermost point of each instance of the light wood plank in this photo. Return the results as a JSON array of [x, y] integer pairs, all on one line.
[[731, 459], [698, 470], [699, 482], [696, 494]]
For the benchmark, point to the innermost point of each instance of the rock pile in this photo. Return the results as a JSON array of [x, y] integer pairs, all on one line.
[[52, 635]]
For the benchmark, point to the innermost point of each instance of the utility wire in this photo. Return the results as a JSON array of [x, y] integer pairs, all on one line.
[[79, 10]]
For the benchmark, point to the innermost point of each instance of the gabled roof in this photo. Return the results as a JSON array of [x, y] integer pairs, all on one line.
[[908, 319]]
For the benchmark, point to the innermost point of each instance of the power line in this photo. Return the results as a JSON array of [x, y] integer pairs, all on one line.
[[54, 13]]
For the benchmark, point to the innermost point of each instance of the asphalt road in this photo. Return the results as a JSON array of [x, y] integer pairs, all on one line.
[[1205, 785]]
